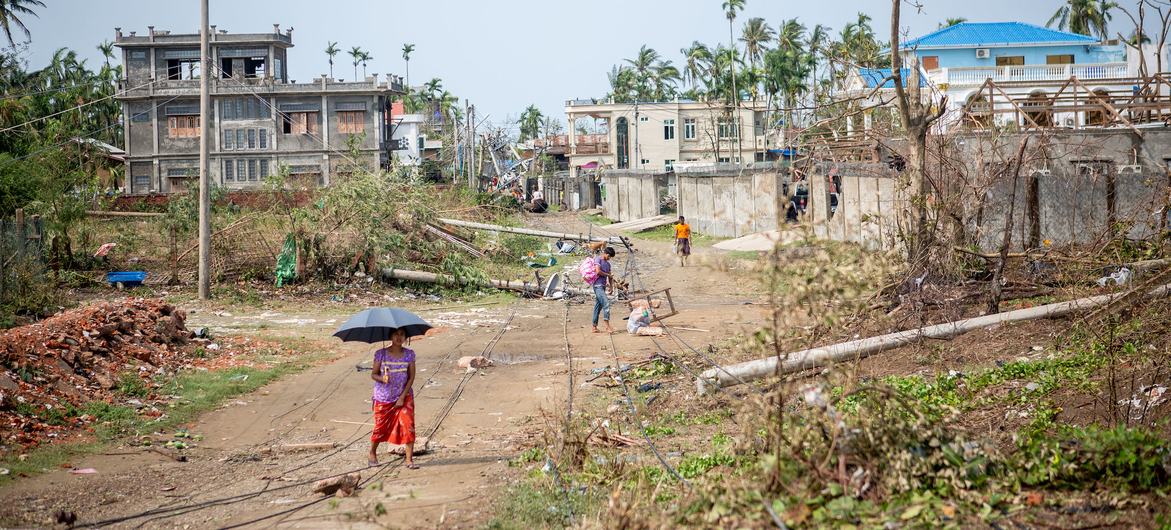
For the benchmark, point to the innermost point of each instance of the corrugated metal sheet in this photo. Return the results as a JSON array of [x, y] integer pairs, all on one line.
[[873, 76], [987, 34]]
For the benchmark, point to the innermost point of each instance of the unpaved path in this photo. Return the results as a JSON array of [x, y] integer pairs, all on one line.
[[233, 479]]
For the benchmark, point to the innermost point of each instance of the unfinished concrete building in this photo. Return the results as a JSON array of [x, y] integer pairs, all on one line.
[[261, 120]]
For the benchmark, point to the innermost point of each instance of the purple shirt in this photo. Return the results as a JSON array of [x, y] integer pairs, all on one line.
[[398, 369], [604, 265]]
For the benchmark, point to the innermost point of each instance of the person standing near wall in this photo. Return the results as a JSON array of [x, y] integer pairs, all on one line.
[[682, 240]]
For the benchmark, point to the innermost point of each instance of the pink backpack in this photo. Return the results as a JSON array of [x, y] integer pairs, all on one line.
[[588, 270]]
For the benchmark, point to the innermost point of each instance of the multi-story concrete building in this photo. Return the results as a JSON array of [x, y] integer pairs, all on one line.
[[658, 136], [260, 119], [1007, 73]]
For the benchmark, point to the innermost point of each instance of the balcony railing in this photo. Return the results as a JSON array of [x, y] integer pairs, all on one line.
[[976, 75]]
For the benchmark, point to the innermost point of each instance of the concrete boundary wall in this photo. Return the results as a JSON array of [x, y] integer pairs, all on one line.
[[867, 210], [734, 204], [630, 195]]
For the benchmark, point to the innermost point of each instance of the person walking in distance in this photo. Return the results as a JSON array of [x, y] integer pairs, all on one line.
[[682, 240], [601, 285]]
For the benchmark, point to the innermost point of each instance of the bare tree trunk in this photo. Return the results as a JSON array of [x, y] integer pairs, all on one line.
[[917, 119], [997, 279]]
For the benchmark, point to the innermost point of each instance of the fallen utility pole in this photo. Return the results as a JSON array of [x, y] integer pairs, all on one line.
[[430, 277], [526, 231], [102, 213], [858, 349]]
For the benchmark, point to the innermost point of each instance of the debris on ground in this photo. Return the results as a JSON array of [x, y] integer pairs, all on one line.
[[474, 362], [50, 370], [343, 486]]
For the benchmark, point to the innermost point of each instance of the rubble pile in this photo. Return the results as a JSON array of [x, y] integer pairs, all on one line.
[[52, 367]]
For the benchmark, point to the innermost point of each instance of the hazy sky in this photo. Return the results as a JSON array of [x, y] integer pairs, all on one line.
[[501, 54]]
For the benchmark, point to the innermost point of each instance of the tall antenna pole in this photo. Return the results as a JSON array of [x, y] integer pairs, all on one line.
[[204, 145]]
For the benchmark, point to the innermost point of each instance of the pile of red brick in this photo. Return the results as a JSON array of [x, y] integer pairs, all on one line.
[[49, 368]]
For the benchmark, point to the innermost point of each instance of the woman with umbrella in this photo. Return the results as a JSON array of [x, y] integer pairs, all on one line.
[[393, 374]]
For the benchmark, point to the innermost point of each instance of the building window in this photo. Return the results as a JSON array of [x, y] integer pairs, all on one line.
[[726, 128], [183, 127], [178, 69], [263, 138], [1010, 60], [668, 129], [263, 168], [669, 165], [351, 122], [229, 140], [422, 142], [243, 109], [930, 62], [252, 172], [644, 118], [229, 174], [252, 138], [241, 169], [645, 162], [723, 160], [689, 128], [1059, 59], [300, 123]]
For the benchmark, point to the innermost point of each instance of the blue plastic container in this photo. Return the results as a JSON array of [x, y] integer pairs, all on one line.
[[126, 278]]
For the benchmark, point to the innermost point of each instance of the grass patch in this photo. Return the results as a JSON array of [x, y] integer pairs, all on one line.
[[598, 219], [537, 502], [197, 391]]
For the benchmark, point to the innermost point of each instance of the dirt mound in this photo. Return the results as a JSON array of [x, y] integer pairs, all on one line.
[[81, 355]]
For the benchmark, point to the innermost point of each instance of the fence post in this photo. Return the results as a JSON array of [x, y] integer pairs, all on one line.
[[20, 232]]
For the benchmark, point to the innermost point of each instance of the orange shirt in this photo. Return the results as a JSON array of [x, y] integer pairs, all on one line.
[[682, 231]]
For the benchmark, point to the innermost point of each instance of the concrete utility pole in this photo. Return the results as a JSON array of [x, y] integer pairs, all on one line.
[[204, 146], [474, 174]]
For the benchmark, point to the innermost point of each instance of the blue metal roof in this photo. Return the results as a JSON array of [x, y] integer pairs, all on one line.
[[988, 34], [873, 76]]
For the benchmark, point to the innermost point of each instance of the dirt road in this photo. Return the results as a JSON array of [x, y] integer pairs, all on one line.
[[234, 478]]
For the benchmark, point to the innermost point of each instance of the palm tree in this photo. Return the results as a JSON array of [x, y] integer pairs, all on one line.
[[332, 50], [949, 22], [817, 41], [666, 75], [731, 8], [622, 84], [407, 49], [1085, 17], [107, 49], [432, 87], [755, 36], [356, 54], [530, 123], [366, 57], [9, 11], [643, 66], [695, 58]]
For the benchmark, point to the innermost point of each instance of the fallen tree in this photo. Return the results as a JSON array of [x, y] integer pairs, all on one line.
[[857, 349], [616, 240], [391, 273]]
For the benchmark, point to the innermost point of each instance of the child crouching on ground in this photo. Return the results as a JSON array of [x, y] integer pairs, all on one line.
[[394, 401], [640, 319]]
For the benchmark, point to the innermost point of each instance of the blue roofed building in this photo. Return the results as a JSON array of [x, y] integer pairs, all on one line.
[[1001, 72]]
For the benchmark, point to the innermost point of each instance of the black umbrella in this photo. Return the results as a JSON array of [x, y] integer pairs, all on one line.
[[378, 323]]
